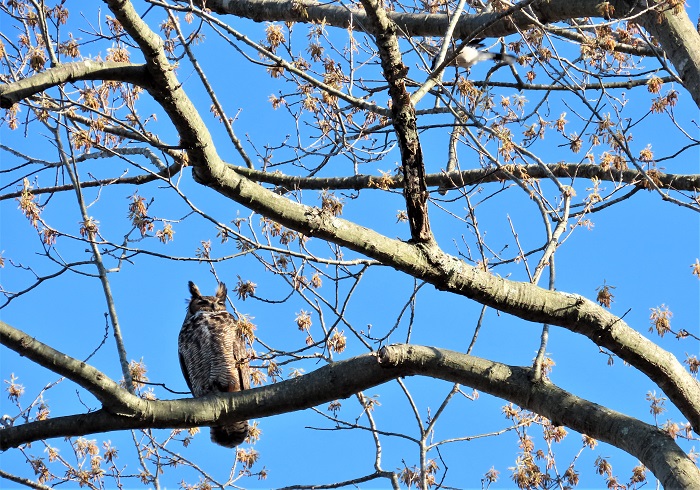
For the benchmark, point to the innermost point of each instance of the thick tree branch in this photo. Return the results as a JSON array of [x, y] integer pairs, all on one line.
[[71, 72], [432, 25], [681, 42], [342, 379], [678, 182], [574, 313], [403, 116], [110, 394], [450, 180]]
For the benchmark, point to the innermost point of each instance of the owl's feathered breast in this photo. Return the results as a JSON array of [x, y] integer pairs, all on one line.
[[212, 354]]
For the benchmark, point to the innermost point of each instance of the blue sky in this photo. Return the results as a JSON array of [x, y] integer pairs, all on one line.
[[643, 247]]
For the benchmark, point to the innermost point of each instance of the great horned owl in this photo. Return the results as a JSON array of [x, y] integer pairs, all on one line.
[[213, 356]]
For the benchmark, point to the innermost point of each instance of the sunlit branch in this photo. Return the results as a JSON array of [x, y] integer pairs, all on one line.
[[432, 25], [11, 93], [556, 86], [109, 393], [24, 481], [464, 178], [343, 379], [627, 84]]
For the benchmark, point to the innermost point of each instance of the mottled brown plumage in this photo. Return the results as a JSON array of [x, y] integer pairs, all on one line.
[[213, 356]]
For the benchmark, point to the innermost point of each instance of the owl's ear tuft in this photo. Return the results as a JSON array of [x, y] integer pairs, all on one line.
[[194, 290], [221, 292]]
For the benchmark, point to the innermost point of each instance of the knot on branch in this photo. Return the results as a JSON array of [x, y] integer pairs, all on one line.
[[316, 218], [399, 71], [394, 355]]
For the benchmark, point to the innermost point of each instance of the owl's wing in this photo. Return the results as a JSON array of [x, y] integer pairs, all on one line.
[[183, 368], [193, 349]]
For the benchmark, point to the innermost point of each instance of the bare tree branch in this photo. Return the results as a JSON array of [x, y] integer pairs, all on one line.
[[342, 379], [403, 116], [464, 178], [12, 93], [109, 393]]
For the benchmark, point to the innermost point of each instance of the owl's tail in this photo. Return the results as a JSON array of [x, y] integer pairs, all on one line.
[[230, 435]]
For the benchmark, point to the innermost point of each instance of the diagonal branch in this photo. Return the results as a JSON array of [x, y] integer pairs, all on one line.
[[112, 396]]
